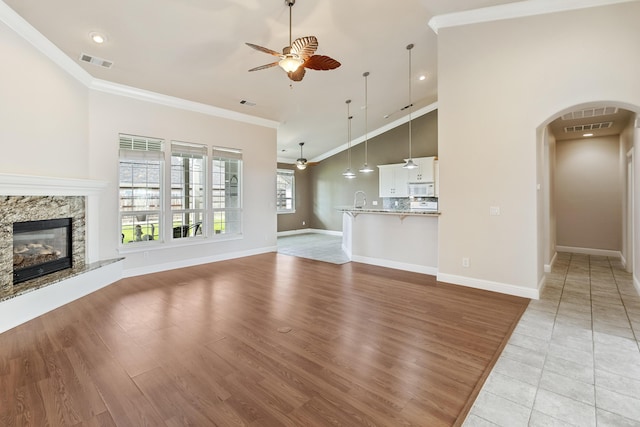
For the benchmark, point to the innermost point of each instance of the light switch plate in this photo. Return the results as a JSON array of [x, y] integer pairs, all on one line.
[[494, 210]]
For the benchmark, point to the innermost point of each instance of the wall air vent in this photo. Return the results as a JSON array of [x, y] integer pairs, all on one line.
[[248, 103], [590, 126], [590, 112], [96, 61]]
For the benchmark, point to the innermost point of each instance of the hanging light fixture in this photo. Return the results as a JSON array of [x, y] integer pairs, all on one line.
[[410, 164], [301, 163], [348, 173], [365, 168]]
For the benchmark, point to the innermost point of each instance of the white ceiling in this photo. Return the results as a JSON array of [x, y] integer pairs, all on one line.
[[195, 50]]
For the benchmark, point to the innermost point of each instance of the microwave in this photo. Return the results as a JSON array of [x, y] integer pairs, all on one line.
[[422, 189]]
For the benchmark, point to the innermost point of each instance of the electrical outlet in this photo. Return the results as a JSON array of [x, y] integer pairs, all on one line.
[[465, 262], [304, 222], [374, 203]]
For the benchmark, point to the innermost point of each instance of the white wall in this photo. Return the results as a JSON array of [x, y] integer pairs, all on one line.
[[43, 113], [112, 115], [498, 82]]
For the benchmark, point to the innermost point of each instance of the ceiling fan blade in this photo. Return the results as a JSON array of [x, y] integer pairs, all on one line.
[[297, 75], [304, 47], [321, 62], [264, 49], [264, 67]]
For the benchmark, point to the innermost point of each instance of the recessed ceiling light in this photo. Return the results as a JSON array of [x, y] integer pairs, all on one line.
[[422, 77], [97, 37], [588, 134]]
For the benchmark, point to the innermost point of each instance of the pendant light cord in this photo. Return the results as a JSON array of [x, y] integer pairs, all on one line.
[[349, 117], [366, 122], [409, 47]]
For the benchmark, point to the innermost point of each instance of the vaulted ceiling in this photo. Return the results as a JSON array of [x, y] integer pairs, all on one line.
[[195, 50]]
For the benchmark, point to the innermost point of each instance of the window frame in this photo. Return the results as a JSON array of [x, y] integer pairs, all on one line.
[[189, 229], [291, 173], [218, 215]]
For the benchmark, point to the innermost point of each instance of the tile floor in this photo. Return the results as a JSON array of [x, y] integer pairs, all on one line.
[[574, 357], [321, 247]]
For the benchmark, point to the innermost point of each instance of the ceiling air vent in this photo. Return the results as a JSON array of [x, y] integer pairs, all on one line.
[[590, 126], [96, 61], [590, 112], [248, 103]]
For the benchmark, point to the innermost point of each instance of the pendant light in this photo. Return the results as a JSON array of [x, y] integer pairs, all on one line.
[[348, 173], [301, 163], [365, 168], [410, 164]]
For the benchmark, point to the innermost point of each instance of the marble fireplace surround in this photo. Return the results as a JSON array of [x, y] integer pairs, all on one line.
[[76, 198]]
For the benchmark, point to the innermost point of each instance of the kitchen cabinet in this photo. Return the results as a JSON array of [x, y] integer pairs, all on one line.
[[393, 180], [424, 171], [436, 177]]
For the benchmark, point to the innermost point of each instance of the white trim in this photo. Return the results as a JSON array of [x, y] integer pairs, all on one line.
[[25, 30], [171, 101], [541, 285], [636, 284], [503, 288], [418, 113], [514, 10], [623, 261], [308, 230], [589, 251], [156, 268], [22, 308], [548, 267], [395, 264]]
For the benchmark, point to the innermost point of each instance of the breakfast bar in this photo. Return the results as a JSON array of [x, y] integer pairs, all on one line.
[[394, 238]]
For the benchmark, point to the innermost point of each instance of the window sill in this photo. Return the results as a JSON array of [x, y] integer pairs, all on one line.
[[286, 212], [155, 245]]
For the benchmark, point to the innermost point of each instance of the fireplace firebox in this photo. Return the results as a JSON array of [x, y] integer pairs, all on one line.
[[41, 248]]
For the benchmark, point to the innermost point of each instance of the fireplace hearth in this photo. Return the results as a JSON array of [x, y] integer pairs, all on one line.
[[40, 248]]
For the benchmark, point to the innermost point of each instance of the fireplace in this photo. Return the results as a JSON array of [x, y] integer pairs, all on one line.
[[41, 247]]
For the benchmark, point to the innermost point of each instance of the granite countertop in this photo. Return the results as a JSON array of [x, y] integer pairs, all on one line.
[[417, 212]]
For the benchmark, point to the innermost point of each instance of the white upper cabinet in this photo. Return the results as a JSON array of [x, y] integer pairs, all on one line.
[[393, 180], [424, 171]]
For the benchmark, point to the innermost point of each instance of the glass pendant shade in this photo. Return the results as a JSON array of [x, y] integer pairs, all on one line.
[[301, 162], [410, 164]]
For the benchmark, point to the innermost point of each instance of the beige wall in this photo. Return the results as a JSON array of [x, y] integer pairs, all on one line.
[[43, 114], [497, 83], [330, 189], [588, 196]]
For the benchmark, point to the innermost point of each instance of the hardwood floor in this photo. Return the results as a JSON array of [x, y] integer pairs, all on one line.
[[201, 346]]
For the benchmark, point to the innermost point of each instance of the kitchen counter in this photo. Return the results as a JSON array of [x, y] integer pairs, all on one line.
[[375, 236], [401, 212]]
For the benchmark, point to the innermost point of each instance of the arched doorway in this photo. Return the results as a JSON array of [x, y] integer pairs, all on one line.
[[579, 223]]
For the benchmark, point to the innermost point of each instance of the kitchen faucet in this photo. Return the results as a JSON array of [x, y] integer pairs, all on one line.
[[355, 199]]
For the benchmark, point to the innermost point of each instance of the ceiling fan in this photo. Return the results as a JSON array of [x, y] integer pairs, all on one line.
[[298, 56]]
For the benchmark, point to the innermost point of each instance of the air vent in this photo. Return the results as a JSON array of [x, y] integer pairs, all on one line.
[[96, 61], [590, 126], [247, 103], [590, 112]]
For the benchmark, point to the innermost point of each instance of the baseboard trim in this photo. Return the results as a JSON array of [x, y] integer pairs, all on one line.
[[503, 288], [589, 251], [396, 265], [28, 306], [157, 268], [636, 284], [548, 267], [308, 230]]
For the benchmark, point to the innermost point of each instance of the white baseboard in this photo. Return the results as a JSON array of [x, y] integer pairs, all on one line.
[[589, 251], [503, 288], [308, 230], [156, 268], [623, 261], [22, 308], [636, 284], [548, 267], [396, 265]]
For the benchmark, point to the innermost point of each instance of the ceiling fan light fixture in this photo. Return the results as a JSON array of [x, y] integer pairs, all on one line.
[[290, 63]]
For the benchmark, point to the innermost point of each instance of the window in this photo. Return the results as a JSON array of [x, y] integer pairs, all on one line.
[[141, 164], [226, 191], [188, 183], [285, 191]]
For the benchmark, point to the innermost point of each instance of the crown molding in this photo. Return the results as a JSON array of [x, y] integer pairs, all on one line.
[[514, 10], [25, 30], [171, 101], [394, 124]]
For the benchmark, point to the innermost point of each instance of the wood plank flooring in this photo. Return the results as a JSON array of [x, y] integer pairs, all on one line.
[[201, 346]]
